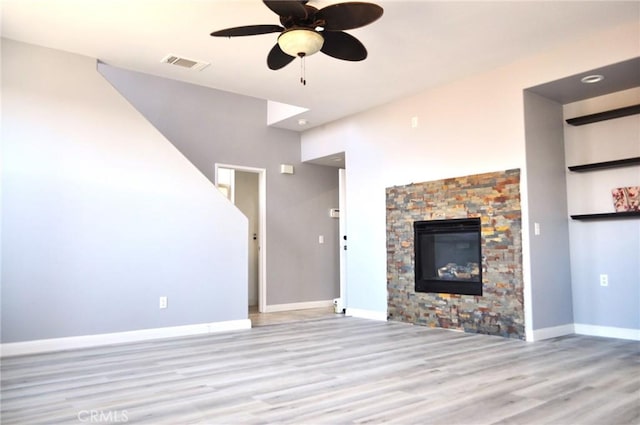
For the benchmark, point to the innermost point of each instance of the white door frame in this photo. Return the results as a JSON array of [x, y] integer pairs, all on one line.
[[342, 234], [262, 227]]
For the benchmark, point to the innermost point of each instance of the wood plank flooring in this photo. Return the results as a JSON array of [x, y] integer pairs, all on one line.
[[265, 319], [330, 371]]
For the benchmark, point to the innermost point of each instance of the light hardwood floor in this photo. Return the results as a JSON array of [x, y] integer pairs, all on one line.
[[264, 319], [330, 371]]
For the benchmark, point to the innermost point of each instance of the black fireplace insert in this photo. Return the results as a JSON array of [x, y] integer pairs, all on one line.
[[448, 256]]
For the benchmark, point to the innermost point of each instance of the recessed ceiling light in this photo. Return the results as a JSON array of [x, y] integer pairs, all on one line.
[[590, 79], [302, 121]]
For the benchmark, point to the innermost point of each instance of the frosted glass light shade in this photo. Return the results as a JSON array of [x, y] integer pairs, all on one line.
[[300, 42]]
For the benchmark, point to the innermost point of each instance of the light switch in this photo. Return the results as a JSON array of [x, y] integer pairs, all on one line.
[[321, 239], [286, 169]]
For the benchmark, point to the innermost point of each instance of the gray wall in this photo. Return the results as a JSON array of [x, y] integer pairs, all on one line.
[[209, 126], [101, 215], [551, 296]]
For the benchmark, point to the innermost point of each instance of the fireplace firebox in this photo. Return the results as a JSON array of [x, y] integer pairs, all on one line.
[[448, 257]]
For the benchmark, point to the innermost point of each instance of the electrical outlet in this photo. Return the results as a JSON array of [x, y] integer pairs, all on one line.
[[164, 302], [604, 280]]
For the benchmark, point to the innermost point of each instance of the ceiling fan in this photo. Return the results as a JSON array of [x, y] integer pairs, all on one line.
[[305, 30]]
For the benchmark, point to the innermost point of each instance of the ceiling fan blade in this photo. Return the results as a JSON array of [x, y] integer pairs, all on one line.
[[277, 58], [287, 8], [343, 46], [247, 30], [346, 16]]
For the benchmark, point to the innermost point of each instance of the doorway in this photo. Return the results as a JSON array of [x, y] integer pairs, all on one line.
[[245, 187]]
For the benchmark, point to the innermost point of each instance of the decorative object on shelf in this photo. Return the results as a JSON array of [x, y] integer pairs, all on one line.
[[626, 198]]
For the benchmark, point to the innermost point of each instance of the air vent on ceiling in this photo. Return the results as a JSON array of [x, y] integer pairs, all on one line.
[[184, 62]]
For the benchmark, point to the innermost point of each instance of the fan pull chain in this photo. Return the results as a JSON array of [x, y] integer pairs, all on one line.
[[303, 71]]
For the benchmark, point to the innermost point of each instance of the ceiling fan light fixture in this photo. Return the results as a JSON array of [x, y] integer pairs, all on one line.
[[300, 42]]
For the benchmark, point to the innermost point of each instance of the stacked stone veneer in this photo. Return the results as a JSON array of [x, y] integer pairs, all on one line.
[[495, 198]]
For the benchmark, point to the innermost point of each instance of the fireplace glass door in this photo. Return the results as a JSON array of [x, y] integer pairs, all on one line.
[[448, 256]]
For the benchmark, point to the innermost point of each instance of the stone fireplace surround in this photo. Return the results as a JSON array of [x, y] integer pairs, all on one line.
[[495, 198]]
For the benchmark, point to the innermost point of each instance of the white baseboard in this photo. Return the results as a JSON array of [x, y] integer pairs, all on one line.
[[298, 306], [608, 331], [582, 329], [367, 314], [546, 333], [87, 341]]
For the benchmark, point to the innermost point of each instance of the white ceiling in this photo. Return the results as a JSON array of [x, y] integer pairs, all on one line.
[[415, 45]]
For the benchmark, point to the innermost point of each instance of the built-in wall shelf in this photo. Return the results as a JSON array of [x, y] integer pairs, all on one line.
[[606, 115], [607, 216], [606, 164]]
